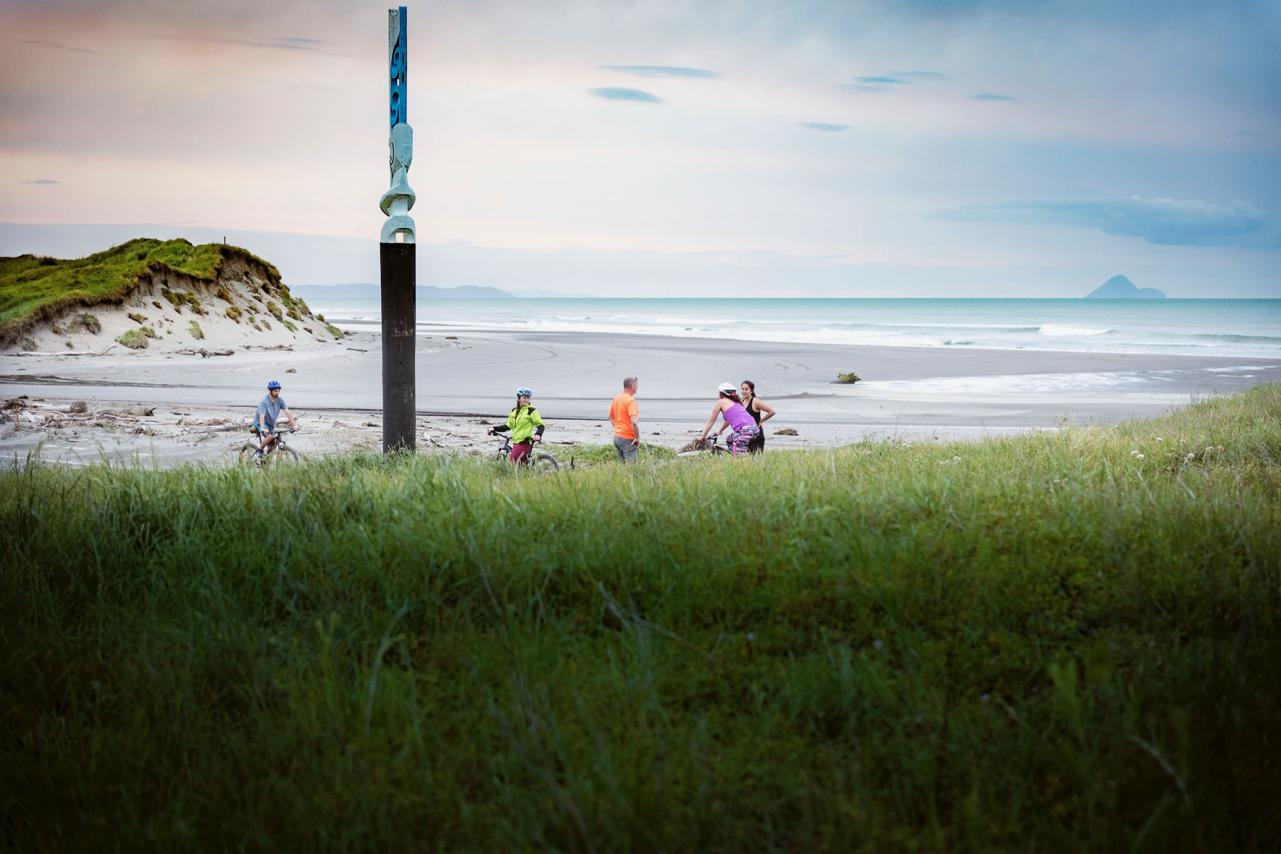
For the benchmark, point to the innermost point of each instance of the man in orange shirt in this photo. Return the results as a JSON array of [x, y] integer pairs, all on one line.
[[624, 412]]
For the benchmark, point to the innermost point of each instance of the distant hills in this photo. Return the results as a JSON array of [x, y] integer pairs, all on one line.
[[1119, 287], [365, 291]]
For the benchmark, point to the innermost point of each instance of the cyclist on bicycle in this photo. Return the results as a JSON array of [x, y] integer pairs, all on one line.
[[270, 409], [730, 408], [525, 424]]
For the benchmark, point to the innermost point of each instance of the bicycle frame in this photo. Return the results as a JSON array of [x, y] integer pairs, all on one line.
[[529, 460], [280, 442], [505, 451], [279, 449]]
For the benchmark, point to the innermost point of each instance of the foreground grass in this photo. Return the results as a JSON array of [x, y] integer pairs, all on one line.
[[1056, 642], [35, 288], [608, 455]]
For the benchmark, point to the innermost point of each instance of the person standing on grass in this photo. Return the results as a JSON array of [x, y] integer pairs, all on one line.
[[743, 427], [624, 414], [269, 409], [760, 412], [525, 423]]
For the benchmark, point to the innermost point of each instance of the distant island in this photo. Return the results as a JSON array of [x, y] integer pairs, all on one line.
[[1119, 287]]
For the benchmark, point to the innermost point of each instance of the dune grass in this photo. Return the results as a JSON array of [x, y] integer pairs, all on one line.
[[35, 288], [136, 339], [607, 454], [1056, 642]]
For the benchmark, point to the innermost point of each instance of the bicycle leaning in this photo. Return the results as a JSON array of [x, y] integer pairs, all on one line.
[[711, 445], [535, 459], [279, 453]]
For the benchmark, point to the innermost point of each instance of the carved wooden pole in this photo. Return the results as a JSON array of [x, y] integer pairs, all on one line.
[[396, 253]]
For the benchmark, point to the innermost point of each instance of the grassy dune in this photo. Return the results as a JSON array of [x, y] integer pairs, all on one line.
[[1056, 642], [34, 288]]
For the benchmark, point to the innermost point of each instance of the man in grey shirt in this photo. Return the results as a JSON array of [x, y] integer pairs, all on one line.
[[269, 410]]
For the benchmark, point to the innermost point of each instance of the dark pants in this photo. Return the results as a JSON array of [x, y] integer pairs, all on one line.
[[627, 449]]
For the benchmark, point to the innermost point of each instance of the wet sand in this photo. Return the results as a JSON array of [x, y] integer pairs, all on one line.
[[467, 381]]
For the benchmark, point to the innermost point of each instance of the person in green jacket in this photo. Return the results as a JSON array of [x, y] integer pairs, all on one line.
[[525, 423]]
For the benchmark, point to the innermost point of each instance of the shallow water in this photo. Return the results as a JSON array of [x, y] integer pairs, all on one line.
[[1186, 327]]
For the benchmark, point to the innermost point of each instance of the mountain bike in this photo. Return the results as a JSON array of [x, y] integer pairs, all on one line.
[[535, 459], [280, 453], [711, 445]]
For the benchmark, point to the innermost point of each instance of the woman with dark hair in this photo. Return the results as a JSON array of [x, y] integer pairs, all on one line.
[[742, 425], [760, 412]]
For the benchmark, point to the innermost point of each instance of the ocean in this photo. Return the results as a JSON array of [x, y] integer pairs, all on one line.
[[1206, 327]]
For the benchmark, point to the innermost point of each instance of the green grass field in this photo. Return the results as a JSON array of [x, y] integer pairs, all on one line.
[[34, 288], [1060, 642]]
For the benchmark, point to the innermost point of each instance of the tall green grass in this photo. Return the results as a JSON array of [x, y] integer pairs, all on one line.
[[1063, 641]]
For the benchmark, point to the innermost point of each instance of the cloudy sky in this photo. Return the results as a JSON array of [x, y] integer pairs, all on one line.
[[712, 148]]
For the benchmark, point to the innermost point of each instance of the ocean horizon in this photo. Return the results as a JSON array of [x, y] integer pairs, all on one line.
[[1199, 327]]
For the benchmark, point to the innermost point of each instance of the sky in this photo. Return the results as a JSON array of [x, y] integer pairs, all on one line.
[[991, 148]]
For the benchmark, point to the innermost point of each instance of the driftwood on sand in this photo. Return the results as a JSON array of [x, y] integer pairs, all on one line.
[[205, 354]]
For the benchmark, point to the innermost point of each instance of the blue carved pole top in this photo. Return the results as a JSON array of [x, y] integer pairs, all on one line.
[[399, 197], [398, 59]]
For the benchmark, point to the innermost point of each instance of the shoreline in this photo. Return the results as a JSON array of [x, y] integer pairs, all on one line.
[[1231, 328], [907, 393]]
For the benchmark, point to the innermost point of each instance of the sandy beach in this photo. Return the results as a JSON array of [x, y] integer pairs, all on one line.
[[201, 404]]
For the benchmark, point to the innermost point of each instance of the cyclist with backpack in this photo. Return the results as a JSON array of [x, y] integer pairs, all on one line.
[[525, 424]]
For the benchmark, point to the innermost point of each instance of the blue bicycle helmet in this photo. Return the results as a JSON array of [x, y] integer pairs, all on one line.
[[272, 385], [524, 391]]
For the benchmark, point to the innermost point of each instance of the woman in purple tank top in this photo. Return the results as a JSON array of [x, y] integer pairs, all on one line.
[[742, 425], [760, 412]]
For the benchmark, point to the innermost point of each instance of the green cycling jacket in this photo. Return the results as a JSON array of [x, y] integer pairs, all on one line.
[[524, 424]]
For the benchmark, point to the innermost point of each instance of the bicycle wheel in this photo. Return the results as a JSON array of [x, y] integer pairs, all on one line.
[[543, 462], [284, 457], [246, 454]]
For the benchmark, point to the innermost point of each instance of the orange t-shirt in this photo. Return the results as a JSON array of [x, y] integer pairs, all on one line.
[[621, 413]]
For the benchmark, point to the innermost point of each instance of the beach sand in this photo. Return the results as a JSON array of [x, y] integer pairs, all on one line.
[[466, 380]]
